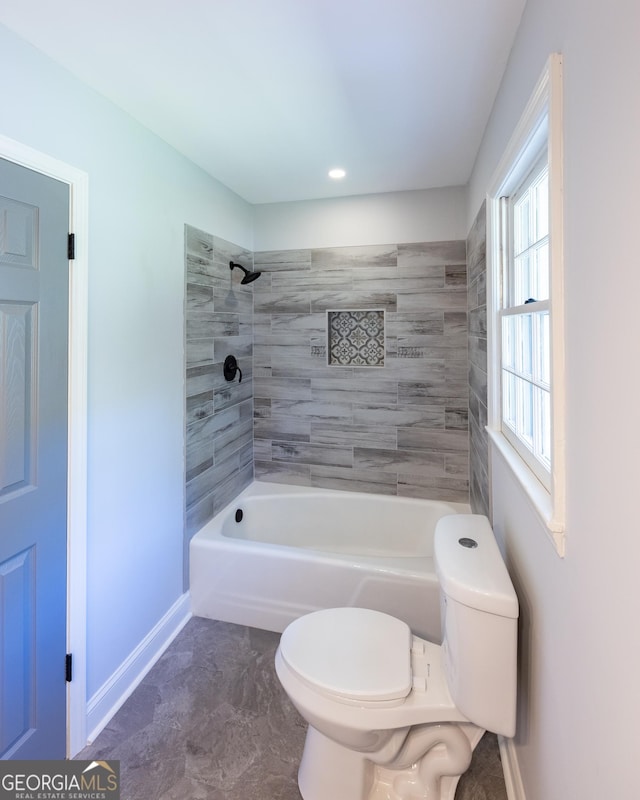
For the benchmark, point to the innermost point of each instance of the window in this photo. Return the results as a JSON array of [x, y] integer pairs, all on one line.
[[525, 378], [525, 304]]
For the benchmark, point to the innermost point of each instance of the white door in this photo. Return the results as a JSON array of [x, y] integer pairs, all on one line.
[[34, 297]]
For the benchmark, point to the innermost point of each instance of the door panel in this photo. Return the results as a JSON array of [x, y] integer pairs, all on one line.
[[34, 288], [18, 636], [18, 363]]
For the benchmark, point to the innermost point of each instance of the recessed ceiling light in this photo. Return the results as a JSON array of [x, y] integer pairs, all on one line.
[[337, 173]]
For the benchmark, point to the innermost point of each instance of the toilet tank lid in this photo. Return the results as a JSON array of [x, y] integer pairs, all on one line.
[[353, 653], [470, 567]]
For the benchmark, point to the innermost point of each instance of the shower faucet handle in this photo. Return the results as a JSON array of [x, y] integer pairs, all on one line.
[[230, 368]]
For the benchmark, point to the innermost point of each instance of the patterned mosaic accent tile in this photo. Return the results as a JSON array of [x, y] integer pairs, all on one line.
[[356, 338]]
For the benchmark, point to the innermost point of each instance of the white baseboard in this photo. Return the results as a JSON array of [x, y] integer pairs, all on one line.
[[113, 693], [512, 779]]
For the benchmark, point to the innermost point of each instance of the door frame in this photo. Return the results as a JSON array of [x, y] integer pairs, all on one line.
[[78, 182]]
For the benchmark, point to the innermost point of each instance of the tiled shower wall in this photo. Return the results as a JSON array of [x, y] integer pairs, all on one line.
[[219, 322], [479, 446], [401, 428]]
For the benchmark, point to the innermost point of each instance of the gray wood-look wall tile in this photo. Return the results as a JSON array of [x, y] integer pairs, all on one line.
[[261, 450], [261, 408], [197, 515], [239, 346], [299, 324], [201, 430], [200, 270], [201, 325], [349, 390], [476, 245], [282, 303], [219, 415], [438, 441], [397, 429], [307, 453], [232, 394], [478, 321], [263, 285], [456, 464], [200, 378], [423, 289], [453, 490], [341, 434], [449, 299], [199, 487], [313, 281], [233, 301], [311, 410], [225, 492], [199, 298], [233, 441], [354, 299], [287, 429], [399, 461], [455, 327], [477, 377], [456, 419], [199, 352], [282, 472], [432, 253], [199, 457], [354, 480], [398, 416], [282, 260], [198, 243], [416, 323], [456, 275], [225, 251], [355, 257], [478, 352], [283, 388], [199, 406], [404, 282]]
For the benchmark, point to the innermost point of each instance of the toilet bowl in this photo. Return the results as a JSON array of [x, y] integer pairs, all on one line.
[[392, 716]]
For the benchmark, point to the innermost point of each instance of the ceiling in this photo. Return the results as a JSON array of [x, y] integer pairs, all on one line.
[[268, 95]]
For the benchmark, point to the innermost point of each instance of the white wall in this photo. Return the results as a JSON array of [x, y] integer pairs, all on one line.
[[141, 192], [578, 728], [396, 217]]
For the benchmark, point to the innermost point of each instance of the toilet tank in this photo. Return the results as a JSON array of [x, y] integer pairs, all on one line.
[[479, 611]]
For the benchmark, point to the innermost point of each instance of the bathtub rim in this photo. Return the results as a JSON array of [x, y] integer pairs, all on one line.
[[210, 535], [358, 578], [259, 488]]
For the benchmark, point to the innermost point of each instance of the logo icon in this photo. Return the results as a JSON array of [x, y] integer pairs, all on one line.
[[59, 780]]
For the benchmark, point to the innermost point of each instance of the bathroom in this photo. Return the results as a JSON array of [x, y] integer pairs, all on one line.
[[576, 610]]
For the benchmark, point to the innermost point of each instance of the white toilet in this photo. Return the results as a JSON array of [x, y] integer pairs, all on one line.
[[392, 716]]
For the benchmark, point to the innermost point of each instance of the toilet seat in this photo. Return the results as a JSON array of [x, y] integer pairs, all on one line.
[[351, 654]]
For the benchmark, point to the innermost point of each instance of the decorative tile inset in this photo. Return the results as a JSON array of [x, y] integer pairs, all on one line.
[[356, 338]]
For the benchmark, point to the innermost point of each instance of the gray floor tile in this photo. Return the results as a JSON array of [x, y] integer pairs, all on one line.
[[211, 722]]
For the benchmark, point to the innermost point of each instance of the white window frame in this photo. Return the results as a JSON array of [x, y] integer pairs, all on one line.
[[540, 127], [510, 308]]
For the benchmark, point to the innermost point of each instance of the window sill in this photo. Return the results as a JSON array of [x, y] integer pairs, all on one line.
[[539, 498]]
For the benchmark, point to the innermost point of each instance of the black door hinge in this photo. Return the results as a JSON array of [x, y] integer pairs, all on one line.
[[71, 246], [68, 667]]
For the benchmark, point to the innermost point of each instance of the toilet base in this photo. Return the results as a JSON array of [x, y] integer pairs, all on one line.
[[427, 765], [329, 770]]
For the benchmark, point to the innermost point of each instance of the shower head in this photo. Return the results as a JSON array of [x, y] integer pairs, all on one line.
[[248, 277]]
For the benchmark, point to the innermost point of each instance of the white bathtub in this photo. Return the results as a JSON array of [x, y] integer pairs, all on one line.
[[298, 550]]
